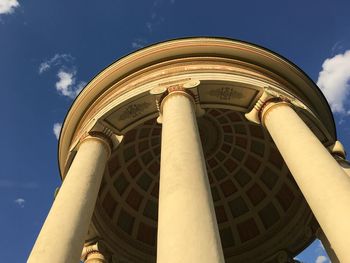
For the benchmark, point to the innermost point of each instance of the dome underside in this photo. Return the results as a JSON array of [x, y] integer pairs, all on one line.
[[259, 208]]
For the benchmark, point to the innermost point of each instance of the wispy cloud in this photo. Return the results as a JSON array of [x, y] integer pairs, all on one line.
[[150, 25], [8, 6], [153, 20], [57, 129], [337, 48], [321, 259], [334, 81], [67, 83], [57, 60], [20, 202], [10, 184], [139, 43]]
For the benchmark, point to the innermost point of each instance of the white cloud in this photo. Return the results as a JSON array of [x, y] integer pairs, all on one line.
[[334, 81], [8, 6], [56, 60], [64, 84], [67, 84], [321, 259], [20, 202], [57, 129]]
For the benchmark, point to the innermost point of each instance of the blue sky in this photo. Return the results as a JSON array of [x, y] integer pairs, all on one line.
[[50, 49]]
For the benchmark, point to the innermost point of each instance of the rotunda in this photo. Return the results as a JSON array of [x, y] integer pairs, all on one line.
[[198, 150]]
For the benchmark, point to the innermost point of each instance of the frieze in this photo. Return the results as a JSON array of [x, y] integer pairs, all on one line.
[[225, 93], [133, 111]]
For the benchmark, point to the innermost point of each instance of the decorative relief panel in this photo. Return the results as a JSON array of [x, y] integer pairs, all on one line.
[[134, 110], [227, 94], [130, 114]]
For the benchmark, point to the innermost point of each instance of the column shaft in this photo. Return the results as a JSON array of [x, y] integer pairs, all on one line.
[[187, 227], [322, 181], [62, 236]]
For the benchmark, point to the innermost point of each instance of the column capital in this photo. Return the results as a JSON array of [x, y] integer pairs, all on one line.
[[97, 249], [188, 89], [337, 150], [94, 130], [103, 134], [270, 98]]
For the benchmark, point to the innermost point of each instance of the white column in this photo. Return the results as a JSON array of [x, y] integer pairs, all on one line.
[[322, 181], [187, 227], [62, 236]]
